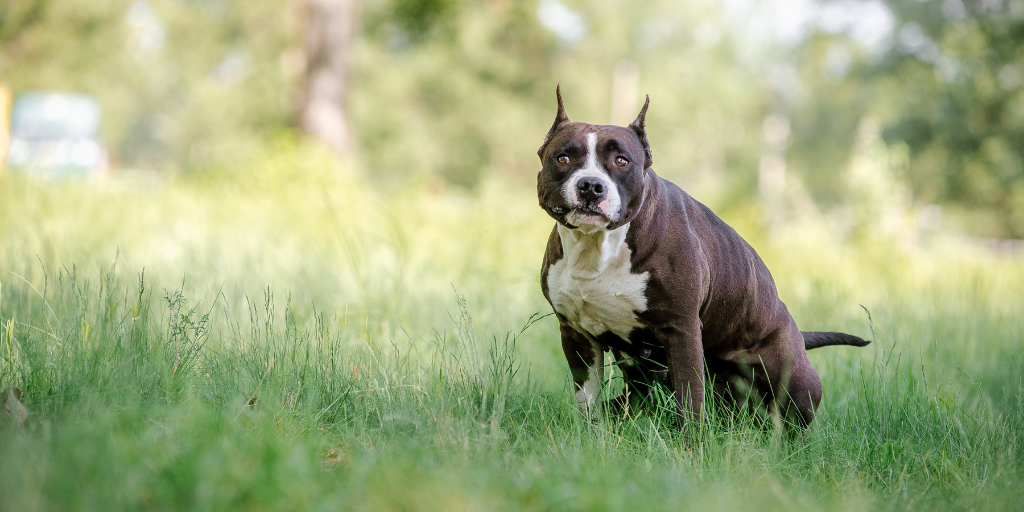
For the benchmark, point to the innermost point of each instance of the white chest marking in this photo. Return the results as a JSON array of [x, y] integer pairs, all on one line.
[[592, 286]]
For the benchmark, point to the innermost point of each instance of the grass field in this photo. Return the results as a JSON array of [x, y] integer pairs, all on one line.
[[287, 338]]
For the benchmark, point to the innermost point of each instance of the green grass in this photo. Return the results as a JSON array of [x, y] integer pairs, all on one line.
[[295, 340]]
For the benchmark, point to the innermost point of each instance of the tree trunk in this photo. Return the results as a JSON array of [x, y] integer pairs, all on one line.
[[328, 29]]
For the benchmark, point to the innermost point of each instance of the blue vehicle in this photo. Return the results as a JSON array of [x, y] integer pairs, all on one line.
[[56, 135]]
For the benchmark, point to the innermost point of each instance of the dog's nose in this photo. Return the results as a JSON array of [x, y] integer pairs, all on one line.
[[591, 189]]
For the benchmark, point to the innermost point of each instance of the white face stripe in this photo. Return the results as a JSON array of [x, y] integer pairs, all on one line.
[[591, 150], [612, 202]]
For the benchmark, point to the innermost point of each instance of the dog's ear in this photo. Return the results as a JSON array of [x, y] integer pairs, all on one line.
[[641, 131], [560, 119]]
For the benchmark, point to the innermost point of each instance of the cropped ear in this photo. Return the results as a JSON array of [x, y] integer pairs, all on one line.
[[560, 119], [638, 127]]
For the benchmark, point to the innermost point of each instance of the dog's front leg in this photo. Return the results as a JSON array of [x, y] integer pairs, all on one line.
[[585, 365], [685, 355]]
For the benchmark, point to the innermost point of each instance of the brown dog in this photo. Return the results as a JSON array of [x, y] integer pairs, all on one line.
[[636, 266]]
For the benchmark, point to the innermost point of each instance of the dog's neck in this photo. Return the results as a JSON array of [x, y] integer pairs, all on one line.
[[590, 254]]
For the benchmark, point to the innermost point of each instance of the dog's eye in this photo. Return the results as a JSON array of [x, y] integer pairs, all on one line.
[[620, 161], [563, 159]]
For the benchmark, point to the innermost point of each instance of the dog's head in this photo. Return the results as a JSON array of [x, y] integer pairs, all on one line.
[[593, 176]]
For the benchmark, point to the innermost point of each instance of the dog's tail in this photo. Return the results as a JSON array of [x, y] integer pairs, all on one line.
[[815, 339]]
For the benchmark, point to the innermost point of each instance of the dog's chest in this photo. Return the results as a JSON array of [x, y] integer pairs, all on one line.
[[593, 287]]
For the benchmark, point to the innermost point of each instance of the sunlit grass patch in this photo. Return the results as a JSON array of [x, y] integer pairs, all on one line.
[[298, 339]]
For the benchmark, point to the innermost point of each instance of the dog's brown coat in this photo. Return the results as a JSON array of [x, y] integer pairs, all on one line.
[[711, 301]]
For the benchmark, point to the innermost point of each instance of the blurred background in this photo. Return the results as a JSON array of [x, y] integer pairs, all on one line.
[[864, 116], [240, 239]]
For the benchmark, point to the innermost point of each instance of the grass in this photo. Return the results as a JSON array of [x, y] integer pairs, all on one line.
[[295, 340]]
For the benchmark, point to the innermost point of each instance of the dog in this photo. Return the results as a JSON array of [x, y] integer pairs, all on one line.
[[636, 266]]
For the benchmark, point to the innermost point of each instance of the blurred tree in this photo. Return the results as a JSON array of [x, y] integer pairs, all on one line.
[[17, 15], [954, 78], [474, 93], [185, 84], [328, 31], [328, 27], [445, 88], [947, 87], [423, 19], [443, 91]]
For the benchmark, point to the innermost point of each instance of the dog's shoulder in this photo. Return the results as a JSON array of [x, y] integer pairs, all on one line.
[[684, 208], [697, 220], [675, 242]]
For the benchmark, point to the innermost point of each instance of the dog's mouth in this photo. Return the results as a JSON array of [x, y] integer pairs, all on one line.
[[578, 216], [586, 210], [578, 210]]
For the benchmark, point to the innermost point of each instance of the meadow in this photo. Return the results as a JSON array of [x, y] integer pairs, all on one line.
[[285, 336]]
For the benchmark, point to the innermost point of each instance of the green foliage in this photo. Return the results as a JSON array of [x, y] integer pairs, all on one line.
[[16, 17], [446, 105], [967, 130], [451, 90], [421, 18], [949, 89], [182, 85], [454, 93], [476, 99]]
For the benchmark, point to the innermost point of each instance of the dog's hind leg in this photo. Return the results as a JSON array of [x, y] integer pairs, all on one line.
[[784, 377]]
